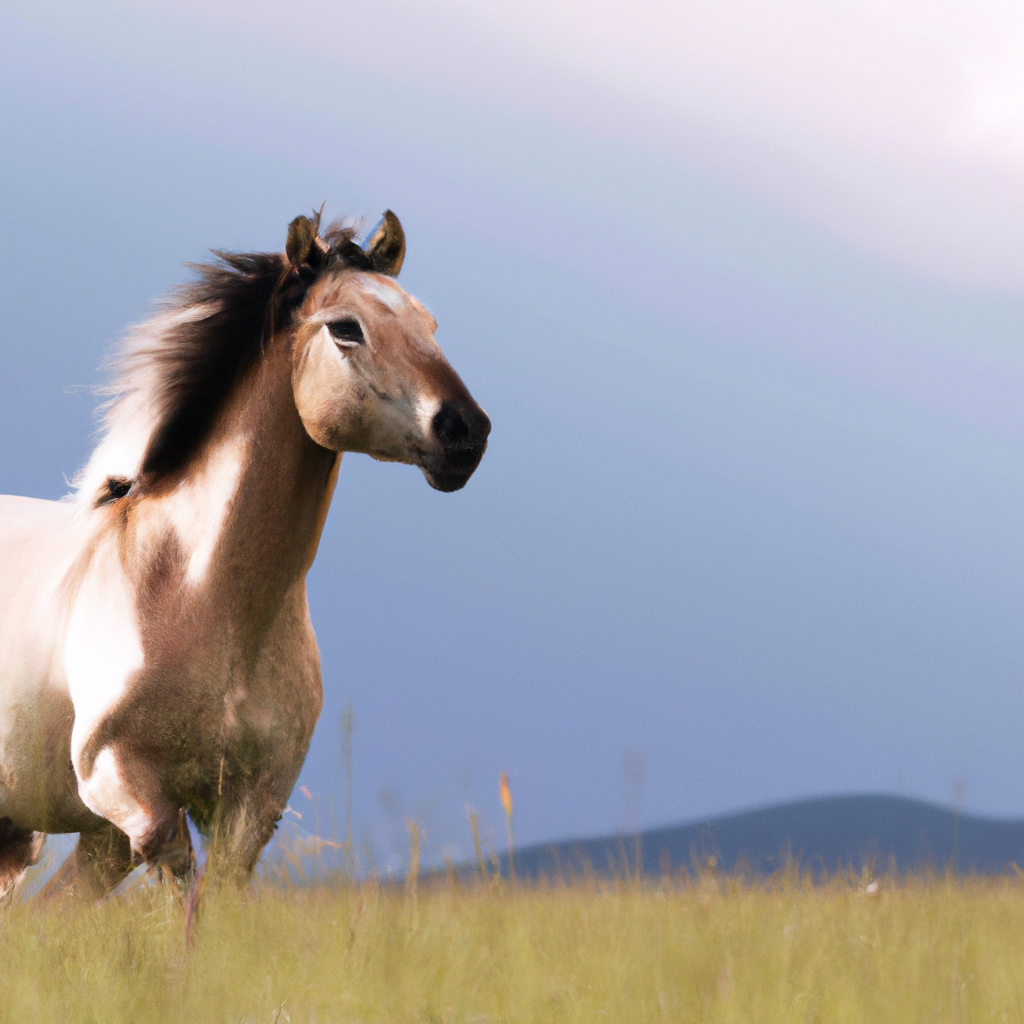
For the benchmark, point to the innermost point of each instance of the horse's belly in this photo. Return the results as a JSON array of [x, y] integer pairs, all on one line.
[[38, 789]]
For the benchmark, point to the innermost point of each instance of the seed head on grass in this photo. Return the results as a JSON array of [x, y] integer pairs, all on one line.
[[506, 803], [506, 795]]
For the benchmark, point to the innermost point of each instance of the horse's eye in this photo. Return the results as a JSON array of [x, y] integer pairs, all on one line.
[[347, 330]]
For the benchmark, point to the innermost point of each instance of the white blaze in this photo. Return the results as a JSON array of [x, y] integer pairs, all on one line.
[[387, 292], [426, 410]]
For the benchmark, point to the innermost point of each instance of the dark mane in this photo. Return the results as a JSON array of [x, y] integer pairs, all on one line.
[[196, 362], [199, 361]]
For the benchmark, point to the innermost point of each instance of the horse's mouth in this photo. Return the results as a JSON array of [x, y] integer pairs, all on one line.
[[453, 469], [447, 482]]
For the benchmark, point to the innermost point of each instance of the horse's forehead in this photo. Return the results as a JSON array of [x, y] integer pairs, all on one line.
[[387, 292], [381, 291]]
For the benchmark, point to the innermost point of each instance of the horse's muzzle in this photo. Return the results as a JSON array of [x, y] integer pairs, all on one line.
[[460, 429]]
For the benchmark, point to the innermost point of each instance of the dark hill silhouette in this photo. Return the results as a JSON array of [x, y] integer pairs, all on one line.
[[822, 834]]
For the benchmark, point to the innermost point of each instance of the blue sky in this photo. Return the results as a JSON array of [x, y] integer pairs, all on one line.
[[743, 298]]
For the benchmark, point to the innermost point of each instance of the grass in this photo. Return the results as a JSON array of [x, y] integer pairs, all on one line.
[[724, 950]]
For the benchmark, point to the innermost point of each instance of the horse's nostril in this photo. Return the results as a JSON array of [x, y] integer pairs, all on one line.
[[449, 425], [481, 425], [464, 426]]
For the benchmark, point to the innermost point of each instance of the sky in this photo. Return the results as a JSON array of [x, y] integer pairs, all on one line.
[[742, 289]]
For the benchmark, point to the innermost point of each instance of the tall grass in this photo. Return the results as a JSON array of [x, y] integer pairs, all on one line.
[[704, 949]]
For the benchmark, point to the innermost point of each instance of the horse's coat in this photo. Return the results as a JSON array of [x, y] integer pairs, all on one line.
[[156, 652]]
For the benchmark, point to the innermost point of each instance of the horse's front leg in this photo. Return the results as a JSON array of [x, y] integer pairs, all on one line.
[[19, 850], [101, 859], [242, 825], [133, 800]]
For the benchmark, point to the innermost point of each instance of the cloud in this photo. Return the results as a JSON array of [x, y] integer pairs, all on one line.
[[897, 128]]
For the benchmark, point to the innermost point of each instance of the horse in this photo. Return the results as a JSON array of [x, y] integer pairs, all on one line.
[[157, 657]]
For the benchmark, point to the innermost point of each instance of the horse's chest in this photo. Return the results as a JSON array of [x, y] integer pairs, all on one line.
[[185, 709], [203, 723]]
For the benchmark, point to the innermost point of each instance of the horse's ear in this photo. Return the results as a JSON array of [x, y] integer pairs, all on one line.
[[304, 245], [386, 245]]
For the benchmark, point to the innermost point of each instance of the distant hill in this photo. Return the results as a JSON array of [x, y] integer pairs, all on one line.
[[822, 834]]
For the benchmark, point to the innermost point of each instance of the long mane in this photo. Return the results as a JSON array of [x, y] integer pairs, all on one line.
[[175, 372]]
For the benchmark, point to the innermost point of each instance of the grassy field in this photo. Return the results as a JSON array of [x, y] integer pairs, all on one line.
[[710, 949]]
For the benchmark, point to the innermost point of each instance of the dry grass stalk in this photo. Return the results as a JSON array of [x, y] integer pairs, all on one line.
[[474, 825]]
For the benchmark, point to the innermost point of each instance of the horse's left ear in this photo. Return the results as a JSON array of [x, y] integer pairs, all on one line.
[[386, 245]]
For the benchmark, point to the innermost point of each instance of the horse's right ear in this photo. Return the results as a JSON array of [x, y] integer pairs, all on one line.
[[304, 244]]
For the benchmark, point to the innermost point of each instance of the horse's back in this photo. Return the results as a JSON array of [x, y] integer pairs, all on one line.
[[25, 519], [39, 544], [17, 510]]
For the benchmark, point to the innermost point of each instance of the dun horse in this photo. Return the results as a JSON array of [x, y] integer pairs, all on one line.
[[156, 651]]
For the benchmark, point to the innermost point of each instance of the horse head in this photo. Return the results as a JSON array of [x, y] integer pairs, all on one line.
[[367, 374]]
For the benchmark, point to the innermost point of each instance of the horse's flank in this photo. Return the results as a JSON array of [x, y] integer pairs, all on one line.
[[157, 652]]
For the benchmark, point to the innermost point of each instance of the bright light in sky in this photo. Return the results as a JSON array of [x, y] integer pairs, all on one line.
[[896, 126]]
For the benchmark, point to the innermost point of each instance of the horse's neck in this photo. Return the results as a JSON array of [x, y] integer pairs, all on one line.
[[245, 520]]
